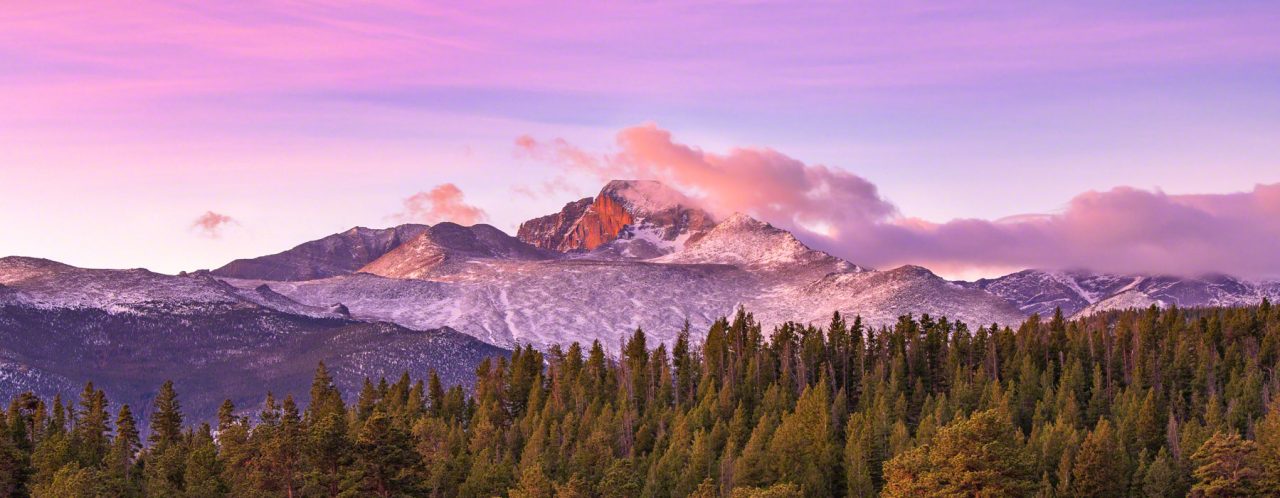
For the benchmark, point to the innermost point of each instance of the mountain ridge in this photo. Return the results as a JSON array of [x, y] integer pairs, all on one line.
[[332, 255]]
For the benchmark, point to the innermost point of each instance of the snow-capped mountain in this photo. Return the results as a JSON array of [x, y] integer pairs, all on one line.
[[1081, 293], [637, 255], [628, 219], [130, 330], [337, 254]]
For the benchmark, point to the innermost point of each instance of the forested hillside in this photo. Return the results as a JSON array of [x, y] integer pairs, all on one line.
[[1137, 403]]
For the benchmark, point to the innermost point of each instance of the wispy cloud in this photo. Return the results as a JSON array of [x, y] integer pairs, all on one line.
[[78, 56]]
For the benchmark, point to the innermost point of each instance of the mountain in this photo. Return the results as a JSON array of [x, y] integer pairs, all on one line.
[[507, 291], [1081, 293], [645, 214], [337, 254], [130, 330], [442, 248]]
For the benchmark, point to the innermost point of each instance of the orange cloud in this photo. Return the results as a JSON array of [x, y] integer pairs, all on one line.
[[444, 202], [211, 224]]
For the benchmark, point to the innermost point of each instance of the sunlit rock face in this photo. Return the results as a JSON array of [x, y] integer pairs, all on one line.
[[624, 209], [600, 224]]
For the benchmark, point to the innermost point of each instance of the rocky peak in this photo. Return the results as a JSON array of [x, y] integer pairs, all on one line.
[[624, 209]]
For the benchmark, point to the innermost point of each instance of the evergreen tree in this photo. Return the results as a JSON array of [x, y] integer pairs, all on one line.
[[383, 460], [982, 455], [166, 420], [1226, 465], [1161, 479], [1174, 403], [122, 479], [202, 477], [802, 449], [1099, 465]]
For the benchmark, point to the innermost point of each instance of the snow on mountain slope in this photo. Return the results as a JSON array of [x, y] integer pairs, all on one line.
[[562, 301], [744, 241], [1131, 298], [542, 302], [881, 296]]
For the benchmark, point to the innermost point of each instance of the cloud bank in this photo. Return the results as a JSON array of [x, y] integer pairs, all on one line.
[[211, 224], [1122, 230], [444, 202]]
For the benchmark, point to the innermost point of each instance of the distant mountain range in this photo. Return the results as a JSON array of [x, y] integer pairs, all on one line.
[[1080, 293], [372, 302], [130, 330]]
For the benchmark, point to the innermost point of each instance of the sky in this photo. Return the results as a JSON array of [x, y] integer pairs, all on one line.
[[974, 138]]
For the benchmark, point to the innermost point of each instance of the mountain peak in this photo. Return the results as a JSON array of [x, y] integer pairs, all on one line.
[[645, 196], [742, 240], [743, 220], [624, 209]]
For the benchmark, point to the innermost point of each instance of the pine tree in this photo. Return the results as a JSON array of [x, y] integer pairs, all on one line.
[[1099, 465], [754, 418], [325, 440], [122, 480], [857, 450], [1162, 477], [70, 481], [11, 464], [383, 459], [802, 449], [91, 427], [533, 484], [202, 477], [1226, 465], [1268, 440], [753, 466], [166, 420], [979, 455]]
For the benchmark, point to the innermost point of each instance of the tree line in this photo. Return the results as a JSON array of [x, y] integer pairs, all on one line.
[[1150, 402]]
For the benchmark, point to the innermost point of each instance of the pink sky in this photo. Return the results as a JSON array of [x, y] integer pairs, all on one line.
[[121, 125]]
